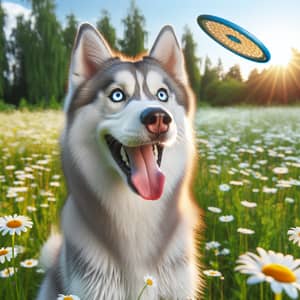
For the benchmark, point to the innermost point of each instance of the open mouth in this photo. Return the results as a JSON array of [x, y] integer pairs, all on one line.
[[141, 165]]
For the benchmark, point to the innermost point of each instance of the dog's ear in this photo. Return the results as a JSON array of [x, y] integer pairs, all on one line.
[[89, 52], [167, 51]]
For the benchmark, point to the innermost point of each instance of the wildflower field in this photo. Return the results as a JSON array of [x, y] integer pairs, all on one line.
[[247, 184]]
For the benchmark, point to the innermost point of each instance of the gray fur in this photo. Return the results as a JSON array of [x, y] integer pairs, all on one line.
[[88, 91], [111, 237]]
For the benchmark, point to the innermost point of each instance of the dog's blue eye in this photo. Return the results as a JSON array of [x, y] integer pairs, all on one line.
[[162, 95], [117, 95]]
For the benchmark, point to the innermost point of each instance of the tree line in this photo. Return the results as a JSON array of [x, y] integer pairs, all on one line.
[[275, 85], [34, 62]]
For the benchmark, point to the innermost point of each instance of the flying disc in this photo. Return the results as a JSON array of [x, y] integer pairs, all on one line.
[[234, 38]]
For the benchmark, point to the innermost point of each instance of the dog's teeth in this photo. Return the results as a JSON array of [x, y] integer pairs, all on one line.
[[124, 156], [155, 151]]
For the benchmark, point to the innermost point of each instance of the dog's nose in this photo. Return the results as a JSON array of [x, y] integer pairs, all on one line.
[[156, 120]]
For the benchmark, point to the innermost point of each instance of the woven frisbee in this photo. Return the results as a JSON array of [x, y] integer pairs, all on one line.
[[234, 38]]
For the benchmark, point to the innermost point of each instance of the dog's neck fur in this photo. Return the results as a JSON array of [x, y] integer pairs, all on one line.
[[103, 225]]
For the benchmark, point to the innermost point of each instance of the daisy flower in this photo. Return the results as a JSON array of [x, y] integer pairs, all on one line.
[[29, 263], [31, 208], [224, 187], [8, 272], [236, 182], [294, 235], [234, 139], [14, 224], [224, 251], [280, 170], [226, 219], [212, 273], [245, 231], [248, 204], [215, 210], [289, 200], [19, 249], [268, 190], [5, 254], [149, 280], [212, 245], [244, 165], [281, 271], [10, 167], [67, 297]]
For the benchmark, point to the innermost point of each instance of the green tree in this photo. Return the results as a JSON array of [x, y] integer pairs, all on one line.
[[40, 50], [69, 33], [234, 73], [19, 50], [209, 79], [3, 57], [107, 30], [220, 69], [48, 57], [192, 62], [134, 36], [227, 92], [252, 86]]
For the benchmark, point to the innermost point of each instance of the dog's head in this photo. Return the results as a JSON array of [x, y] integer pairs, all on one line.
[[124, 114]]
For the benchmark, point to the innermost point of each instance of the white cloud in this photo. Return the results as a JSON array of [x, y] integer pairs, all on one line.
[[12, 10]]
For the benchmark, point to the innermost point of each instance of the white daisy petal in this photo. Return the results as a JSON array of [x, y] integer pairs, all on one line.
[[297, 273], [263, 254], [258, 278], [246, 270], [291, 291], [295, 264], [250, 259], [276, 287], [297, 285]]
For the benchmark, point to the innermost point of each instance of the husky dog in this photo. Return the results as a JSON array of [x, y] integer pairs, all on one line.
[[128, 139]]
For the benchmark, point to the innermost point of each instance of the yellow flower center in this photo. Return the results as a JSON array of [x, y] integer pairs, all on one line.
[[213, 273], [3, 252], [8, 271], [149, 281], [28, 263], [14, 224], [279, 272], [68, 298]]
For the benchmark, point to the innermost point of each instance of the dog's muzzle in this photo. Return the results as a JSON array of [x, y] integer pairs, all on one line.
[[141, 163]]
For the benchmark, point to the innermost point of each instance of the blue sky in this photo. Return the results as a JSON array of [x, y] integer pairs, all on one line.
[[276, 23]]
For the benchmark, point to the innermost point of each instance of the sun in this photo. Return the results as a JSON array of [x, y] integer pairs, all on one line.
[[280, 45], [281, 55]]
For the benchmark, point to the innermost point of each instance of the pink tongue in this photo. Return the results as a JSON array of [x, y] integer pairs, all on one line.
[[146, 176]]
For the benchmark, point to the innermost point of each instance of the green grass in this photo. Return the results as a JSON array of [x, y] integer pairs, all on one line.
[[241, 148], [238, 147]]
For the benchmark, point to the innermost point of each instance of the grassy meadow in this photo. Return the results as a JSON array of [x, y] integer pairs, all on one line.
[[247, 184]]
